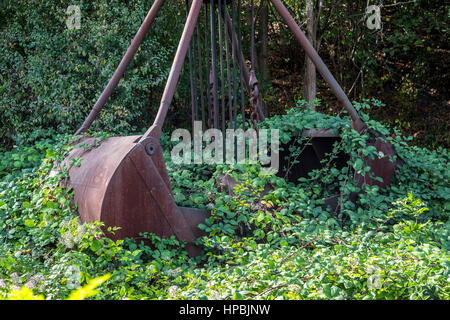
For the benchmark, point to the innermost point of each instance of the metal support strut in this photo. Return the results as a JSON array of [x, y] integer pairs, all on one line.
[[358, 124], [112, 84]]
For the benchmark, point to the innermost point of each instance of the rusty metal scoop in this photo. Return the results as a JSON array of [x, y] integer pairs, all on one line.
[[124, 182], [383, 167]]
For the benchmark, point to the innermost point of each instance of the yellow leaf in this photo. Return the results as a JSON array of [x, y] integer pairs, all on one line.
[[23, 294]]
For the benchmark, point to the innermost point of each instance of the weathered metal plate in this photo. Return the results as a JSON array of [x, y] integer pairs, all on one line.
[[195, 217], [383, 168], [321, 145], [122, 185], [322, 141]]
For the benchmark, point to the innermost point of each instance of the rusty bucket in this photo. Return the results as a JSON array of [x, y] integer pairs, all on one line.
[[123, 181], [379, 167]]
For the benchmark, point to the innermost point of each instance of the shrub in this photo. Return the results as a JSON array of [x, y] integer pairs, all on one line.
[[51, 76], [278, 245]]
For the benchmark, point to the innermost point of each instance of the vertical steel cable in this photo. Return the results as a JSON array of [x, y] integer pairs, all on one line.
[[240, 48], [214, 64], [207, 58], [227, 55], [222, 75], [253, 82], [200, 74], [235, 63], [191, 78], [252, 37], [194, 59]]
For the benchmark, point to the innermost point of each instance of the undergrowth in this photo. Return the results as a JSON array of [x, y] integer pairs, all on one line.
[[276, 242]]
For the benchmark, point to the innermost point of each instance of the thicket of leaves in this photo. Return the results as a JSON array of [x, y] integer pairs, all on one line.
[[404, 63], [51, 75], [280, 243]]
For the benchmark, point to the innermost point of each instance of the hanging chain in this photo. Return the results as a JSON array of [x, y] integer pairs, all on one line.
[[253, 81], [254, 92], [211, 92]]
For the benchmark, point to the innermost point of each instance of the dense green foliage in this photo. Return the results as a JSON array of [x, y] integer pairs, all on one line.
[[404, 63], [280, 244], [268, 239], [50, 75]]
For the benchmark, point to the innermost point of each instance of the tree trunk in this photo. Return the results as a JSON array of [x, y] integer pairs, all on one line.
[[310, 89]]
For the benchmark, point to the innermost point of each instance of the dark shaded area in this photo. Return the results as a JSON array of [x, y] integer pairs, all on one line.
[[314, 154]]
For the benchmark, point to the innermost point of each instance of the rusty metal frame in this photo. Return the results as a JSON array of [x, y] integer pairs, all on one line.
[[112, 84], [169, 90], [245, 73], [358, 124], [127, 177], [141, 158], [380, 167]]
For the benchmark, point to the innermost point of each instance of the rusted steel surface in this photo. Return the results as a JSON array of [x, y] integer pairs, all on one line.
[[254, 94], [92, 177], [211, 96], [221, 65], [319, 133], [383, 168], [214, 72], [313, 151], [245, 73], [320, 144], [125, 184], [195, 217], [124, 181]]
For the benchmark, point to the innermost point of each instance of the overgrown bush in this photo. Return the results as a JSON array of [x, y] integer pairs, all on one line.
[[281, 244], [51, 76]]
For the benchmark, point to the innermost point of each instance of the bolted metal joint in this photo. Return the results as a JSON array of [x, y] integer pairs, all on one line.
[[150, 149]]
